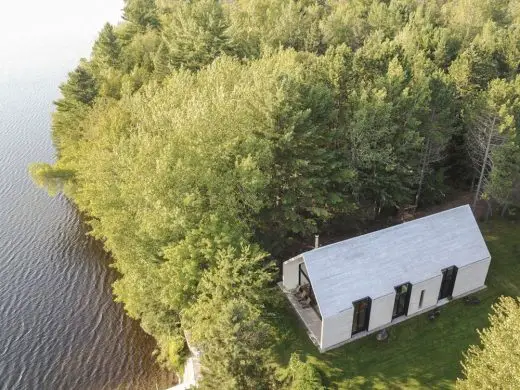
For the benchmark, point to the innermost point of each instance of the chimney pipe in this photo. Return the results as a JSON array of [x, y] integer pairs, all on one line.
[[316, 241]]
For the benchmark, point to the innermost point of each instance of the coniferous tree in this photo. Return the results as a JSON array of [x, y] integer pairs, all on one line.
[[226, 323], [81, 86], [504, 180], [197, 34], [107, 50], [162, 62], [142, 13], [79, 93]]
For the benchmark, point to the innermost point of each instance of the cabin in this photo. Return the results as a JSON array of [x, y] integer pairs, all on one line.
[[362, 285]]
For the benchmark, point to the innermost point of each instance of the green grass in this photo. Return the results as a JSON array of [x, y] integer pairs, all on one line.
[[420, 353]]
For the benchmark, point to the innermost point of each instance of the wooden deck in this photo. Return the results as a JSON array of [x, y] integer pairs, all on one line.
[[308, 316]]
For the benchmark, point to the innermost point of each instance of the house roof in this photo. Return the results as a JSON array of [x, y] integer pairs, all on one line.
[[373, 264]]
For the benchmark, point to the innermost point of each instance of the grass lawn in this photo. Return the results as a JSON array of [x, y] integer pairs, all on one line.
[[420, 354]]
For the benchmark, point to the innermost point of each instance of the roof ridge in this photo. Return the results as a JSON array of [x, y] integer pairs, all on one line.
[[393, 227]]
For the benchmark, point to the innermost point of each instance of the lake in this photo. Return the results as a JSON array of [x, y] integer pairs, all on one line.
[[59, 326]]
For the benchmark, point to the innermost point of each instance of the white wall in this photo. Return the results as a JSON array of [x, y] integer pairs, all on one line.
[[337, 329], [381, 311], [431, 289], [471, 277], [291, 271]]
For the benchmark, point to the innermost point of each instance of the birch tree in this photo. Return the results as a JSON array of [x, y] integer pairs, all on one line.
[[493, 125], [483, 138]]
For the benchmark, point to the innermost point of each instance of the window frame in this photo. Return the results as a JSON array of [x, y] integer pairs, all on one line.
[[446, 290], [300, 273], [367, 312], [397, 300]]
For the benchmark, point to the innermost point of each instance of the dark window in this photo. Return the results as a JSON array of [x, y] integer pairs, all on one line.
[[304, 281], [448, 282], [402, 300], [302, 276], [361, 315], [421, 299]]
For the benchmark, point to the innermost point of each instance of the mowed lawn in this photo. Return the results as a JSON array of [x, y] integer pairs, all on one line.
[[420, 353]]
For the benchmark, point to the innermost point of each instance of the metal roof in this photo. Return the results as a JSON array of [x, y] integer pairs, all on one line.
[[373, 264]]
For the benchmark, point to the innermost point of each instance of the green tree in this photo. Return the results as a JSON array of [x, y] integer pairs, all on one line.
[[140, 52], [199, 250], [308, 182], [49, 177], [300, 375], [381, 140], [504, 180], [81, 87], [244, 272], [142, 13], [227, 321], [234, 341], [107, 49], [162, 62], [197, 34], [346, 24], [483, 61], [495, 363], [79, 93], [494, 116], [438, 117], [259, 24]]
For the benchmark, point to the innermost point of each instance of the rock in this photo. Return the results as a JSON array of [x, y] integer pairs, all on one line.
[[382, 335]]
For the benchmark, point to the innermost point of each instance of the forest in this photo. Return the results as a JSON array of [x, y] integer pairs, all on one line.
[[203, 138]]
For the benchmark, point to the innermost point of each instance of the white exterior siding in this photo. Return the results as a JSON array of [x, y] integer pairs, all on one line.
[[336, 329], [431, 289], [381, 311], [291, 272], [471, 277]]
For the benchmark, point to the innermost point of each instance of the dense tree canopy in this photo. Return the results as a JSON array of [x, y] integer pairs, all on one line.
[[203, 135]]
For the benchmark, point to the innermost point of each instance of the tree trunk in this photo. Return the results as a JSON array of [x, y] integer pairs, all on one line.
[[423, 172], [504, 209], [484, 163], [488, 210], [473, 179]]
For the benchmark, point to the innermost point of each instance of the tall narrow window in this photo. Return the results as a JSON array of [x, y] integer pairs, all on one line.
[[361, 315], [302, 276], [448, 282], [402, 300], [421, 299]]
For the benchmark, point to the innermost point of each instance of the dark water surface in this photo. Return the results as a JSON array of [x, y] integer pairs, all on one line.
[[59, 327]]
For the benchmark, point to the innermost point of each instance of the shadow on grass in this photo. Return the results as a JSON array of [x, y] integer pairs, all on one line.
[[419, 353]]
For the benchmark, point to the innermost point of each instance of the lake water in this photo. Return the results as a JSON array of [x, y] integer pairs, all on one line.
[[59, 326]]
